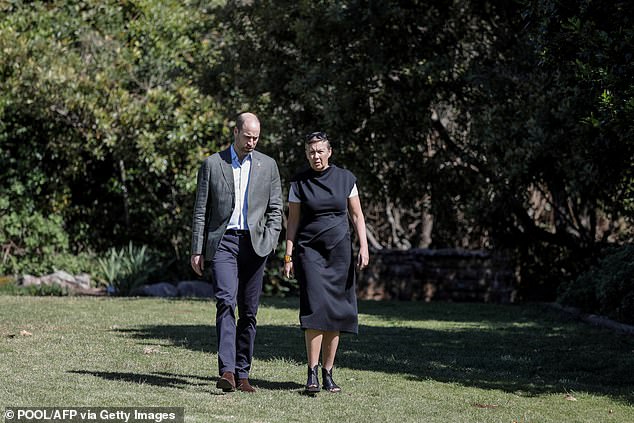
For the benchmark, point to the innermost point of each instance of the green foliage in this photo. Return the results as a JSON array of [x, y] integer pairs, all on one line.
[[615, 288], [606, 289], [357, 85], [509, 123], [582, 292], [521, 139], [34, 290], [9, 286], [35, 244], [30, 241], [74, 263], [102, 122], [122, 270]]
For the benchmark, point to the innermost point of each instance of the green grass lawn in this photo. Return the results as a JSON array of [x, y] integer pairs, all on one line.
[[411, 362]]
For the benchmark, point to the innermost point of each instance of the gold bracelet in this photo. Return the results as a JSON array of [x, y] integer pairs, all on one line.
[[288, 259]]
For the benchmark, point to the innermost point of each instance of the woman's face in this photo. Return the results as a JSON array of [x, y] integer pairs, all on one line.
[[318, 154]]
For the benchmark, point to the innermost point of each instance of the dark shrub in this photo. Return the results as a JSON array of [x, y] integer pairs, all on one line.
[[615, 285], [607, 288]]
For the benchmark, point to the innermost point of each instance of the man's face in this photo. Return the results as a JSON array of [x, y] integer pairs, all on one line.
[[247, 138]]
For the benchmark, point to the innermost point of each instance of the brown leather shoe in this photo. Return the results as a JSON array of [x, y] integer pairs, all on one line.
[[227, 382], [245, 386]]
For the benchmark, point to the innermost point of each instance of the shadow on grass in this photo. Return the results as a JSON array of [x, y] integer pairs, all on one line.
[[170, 380], [161, 379], [525, 350], [193, 337]]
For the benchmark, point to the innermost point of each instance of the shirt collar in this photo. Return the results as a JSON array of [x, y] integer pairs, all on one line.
[[234, 156]]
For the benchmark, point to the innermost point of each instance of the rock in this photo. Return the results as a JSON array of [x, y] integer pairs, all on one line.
[[161, 289], [83, 280], [28, 280], [73, 284], [198, 289]]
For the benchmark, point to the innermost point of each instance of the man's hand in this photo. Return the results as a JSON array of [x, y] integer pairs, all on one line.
[[198, 263]]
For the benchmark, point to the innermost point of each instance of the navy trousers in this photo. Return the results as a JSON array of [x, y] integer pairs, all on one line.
[[237, 273]]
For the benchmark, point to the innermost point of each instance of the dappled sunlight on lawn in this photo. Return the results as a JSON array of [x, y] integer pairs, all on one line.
[[530, 354]]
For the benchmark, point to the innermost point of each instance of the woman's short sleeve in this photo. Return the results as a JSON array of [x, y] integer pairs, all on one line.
[[354, 192], [292, 196]]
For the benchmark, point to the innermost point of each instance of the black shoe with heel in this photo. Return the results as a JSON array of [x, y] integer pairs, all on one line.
[[312, 384], [329, 384]]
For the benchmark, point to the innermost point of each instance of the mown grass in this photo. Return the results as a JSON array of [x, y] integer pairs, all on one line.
[[411, 362]]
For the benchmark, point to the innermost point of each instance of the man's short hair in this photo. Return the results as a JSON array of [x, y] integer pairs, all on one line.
[[242, 117]]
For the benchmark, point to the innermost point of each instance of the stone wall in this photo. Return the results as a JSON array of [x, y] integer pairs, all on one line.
[[445, 274]]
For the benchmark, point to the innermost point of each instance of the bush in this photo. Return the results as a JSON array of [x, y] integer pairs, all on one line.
[[122, 270], [37, 245], [9, 286], [607, 288], [615, 286], [34, 290], [581, 293]]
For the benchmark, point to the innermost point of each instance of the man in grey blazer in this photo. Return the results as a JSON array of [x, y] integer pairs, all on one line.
[[237, 222]]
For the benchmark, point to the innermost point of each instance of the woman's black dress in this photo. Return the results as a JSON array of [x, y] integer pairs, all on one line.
[[322, 255]]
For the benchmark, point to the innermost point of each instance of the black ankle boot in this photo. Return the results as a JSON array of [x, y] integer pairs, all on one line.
[[329, 384], [312, 384]]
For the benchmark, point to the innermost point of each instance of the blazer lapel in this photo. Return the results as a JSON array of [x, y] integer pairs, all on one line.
[[227, 170], [256, 167]]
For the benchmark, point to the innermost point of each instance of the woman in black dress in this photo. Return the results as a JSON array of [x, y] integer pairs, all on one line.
[[319, 254]]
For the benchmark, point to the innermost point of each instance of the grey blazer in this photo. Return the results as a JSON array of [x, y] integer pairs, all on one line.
[[215, 197]]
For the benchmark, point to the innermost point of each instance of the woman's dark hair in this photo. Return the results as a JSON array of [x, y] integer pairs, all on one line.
[[318, 136]]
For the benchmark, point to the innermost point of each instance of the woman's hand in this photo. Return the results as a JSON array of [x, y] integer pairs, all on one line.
[[354, 207], [363, 260], [288, 270]]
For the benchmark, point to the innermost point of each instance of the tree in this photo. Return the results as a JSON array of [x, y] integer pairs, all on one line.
[[370, 74], [477, 124], [102, 121], [474, 113], [551, 126]]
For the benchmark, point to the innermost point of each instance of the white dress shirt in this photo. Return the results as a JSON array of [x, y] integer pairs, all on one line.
[[241, 175]]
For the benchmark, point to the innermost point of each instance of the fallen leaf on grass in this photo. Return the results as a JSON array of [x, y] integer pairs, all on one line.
[[25, 333], [570, 397], [485, 405]]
